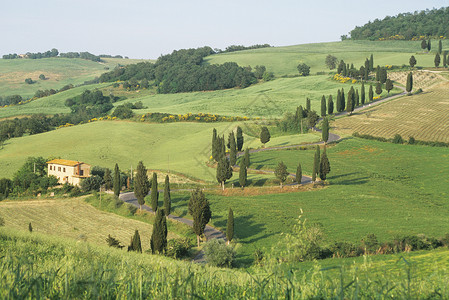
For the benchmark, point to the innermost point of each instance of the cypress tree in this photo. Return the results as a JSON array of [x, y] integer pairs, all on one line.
[[378, 73], [246, 158], [117, 184], [429, 46], [200, 211], [167, 196], [232, 149], [323, 106], [135, 242], [141, 184], [409, 85], [158, 241], [339, 101], [366, 69], [224, 171], [325, 130], [378, 88], [343, 100], [317, 165], [330, 105], [357, 98], [299, 174], [308, 105], [362, 93], [389, 85], [350, 101], [325, 167], [108, 181], [239, 138], [383, 75], [264, 135], [444, 59], [370, 93], [423, 44], [440, 47], [230, 226], [214, 144], [30, 228], [412, 61], [437, 60], [314, 169], [154, 193], [243, 175], [371, 63]]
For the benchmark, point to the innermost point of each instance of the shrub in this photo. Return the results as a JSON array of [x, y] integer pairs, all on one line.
[[132, 209], [29, 81], [177, 248], [411, 140], [397, 139], [91, 183], [76, 191], [218, 254], [113, 242], [370, 243], [345, 249]]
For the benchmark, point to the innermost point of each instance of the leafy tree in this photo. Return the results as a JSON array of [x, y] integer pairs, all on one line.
[[200, 211], [154, 193], [323, 106], [281, 172], [91, 183], [264, 135], [224, 171], [397, 139], [243, 173], [267, 76], [167, 197], [325, 130], [117, 183], [107, 178], [239, 138], [303, 69], [299, 174], [325, 167], [362, 93], [141, 184], [158, 241], [330, 105], [259, 71], [312, 118], [123, 112], [378, 88], [370, 93], [437, 60], [135, 245], [389, 85], [230, 226], [409, 84], [440, 47], [233, 149], [331, 62], [412, 61], [423, 44]]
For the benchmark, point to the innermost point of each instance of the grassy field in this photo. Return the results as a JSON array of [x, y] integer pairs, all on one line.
[[181, 147], [423, 116], [74, 219], [283, 60], [375, 187]]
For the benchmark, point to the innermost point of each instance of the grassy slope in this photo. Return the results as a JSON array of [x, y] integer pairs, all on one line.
[[379, 188], [283, 60], [74, 219], [59, 71], [182, 147]]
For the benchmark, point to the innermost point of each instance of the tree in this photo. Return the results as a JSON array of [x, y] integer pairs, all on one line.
[[312, 118], [246, 158], [389, 85], [437, 60], [314, 169], [325, 130], [154, 193], [200, 211], [117, 184], [158, 241], [215, 145], [330, 105], [362, 93], [141, 184], [29, 81], [299, 174], [412, 61], [224, 171], [331, 62], [233, 149], [230, 226], [42, 77], [440, 47], [303, 69], [325, 167], [423, 44], [243, 173], [264, 135], [351, 101], [107, 178], [323, 106], [370, 93], [343, 101], [239, 139], [429, 46], [281, 172], [383, 75], [378, 73], [357, 98], [317, 164], [339, 101], [444, 59], [30, 228], [135, 245], [371, 63], [167, 197], [378, 88], [259, 71], [409, 84], [308, 105]]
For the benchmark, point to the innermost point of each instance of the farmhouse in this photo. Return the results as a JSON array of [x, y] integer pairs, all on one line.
[[69, 171]]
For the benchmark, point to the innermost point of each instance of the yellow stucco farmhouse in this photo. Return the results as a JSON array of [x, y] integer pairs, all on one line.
[[68, 171]]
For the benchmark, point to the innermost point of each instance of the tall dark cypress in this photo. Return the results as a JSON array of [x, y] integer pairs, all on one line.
[[230, 226], [440, 47], [239, 138], [429, 46], [141, 184], [117, 184], [243, 173], [371, 63], [308, 105], [409, 85], [167, 196], [247, 158], [299, 174], [317, 164], [343, 100], [362, 93], [357, 98], [349, 103], [158, 241], [325, 130], [314, 169], [154, 193], [214, 144], [232, 149], [135, 245], [437, 60], [325, 166], [323, 106], [339, 101], [330, 105], [370, 93]]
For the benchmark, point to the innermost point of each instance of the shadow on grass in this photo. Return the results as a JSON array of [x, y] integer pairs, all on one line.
[[180, 203], [245, 229]]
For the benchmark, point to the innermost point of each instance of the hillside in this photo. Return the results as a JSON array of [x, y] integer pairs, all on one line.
[[406, 26]]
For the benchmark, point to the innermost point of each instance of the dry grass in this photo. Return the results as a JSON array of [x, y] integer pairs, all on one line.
[[422, 79], [73, 218], [423, 116], [257, 191]]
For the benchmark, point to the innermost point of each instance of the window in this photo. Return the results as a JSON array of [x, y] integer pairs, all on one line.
[[59, 169], [63, 170], [50, 168]]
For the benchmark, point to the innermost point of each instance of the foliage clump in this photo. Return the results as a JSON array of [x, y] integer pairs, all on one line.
[[218, 254]]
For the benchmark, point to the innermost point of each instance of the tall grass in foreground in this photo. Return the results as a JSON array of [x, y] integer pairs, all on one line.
[[37, 267]]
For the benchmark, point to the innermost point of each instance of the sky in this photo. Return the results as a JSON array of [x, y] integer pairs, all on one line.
[[148, 28]]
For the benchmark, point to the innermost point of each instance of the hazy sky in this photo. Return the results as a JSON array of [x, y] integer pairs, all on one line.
[[147, 29]]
